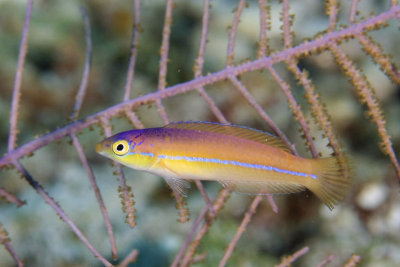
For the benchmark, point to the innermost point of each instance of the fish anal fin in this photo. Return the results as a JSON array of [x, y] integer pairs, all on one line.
[[232, 130], [262, 187]]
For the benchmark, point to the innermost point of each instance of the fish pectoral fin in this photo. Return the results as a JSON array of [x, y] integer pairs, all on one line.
[[262, 187], [178, 185], [174, 180]]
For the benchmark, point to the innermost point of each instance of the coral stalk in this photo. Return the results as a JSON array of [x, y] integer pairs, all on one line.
[[60, 212], [23, 49], [86, 70]]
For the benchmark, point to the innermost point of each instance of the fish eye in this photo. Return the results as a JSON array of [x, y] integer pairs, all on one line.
[[120, 147]]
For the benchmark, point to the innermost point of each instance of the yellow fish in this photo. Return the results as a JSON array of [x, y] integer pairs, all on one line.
[[240, 158]]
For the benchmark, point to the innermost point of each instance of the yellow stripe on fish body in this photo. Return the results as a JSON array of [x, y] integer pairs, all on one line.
[[240, 158]]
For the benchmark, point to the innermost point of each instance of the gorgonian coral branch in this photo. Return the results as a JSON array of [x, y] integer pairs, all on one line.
[[265, 25], [353, 11], [131, 67], [296, 110], [288, 260], [134, 48], [327, 260], [287, 24], [60, 212], [381, 59], [218, 205], [241, 230], [332, 9], [233, 31], [164, 50], [189, 236], [261, 112], [5, 240], [199, 62], [320, 115], [96, 189], [85, 77], [10, 197], [12, 137], [130, 258], [367, 96]]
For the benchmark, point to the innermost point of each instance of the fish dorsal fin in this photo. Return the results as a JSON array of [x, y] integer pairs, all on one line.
[[232, 130]]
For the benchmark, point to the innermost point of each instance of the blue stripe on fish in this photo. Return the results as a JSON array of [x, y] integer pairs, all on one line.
[[229, 162]]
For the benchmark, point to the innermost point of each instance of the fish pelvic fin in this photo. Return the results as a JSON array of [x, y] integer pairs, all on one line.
[[332, 182], [174, 180]]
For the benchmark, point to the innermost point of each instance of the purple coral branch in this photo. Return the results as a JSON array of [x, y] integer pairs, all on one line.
[[286, 262], [134, 48], [86, 70], [12, 252], [205, 196], [327, 260], [131, 257], [96, 189], [332, 10], [200, 81], [264, 115], [12, 139], [294, 106], [199, 62], [165, 45], [218, 204], [5, 240], [131, 67], [353, 11], [60, 212], [184, 213], [272, 203], [367, 96], [383, 60], [240, 231], [264, 26], [10, 197], [189, 236], [134, 119], [164, 58], [233, 31], [287, 38], [198, 67]]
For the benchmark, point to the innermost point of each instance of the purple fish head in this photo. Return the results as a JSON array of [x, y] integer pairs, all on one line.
[[130, 148]]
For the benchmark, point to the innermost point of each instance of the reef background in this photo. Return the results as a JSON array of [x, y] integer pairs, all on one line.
[[366, 223]]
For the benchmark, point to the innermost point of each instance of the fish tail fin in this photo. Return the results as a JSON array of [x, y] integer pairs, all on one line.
[[332, 181]]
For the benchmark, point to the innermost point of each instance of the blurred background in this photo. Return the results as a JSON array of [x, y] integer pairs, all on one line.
[[366, 223]]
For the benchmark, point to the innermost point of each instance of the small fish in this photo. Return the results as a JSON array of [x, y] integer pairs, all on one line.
[[240, 158]]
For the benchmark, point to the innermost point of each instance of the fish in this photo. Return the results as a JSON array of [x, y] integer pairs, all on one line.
[[240, 158]]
